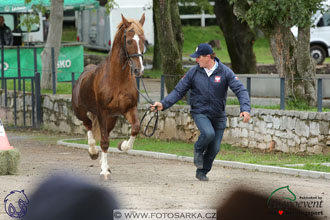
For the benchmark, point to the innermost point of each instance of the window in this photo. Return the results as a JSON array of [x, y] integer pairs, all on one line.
[[326, 19], [9, 20], [24, 28]]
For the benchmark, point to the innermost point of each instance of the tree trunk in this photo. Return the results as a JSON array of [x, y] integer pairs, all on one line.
[[53, 41], [293, 62], [239, 38], [157, 59], [176, 26], [305, 88], [169, 27]]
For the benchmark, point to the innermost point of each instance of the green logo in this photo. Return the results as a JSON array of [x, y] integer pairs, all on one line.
[[283, 188]]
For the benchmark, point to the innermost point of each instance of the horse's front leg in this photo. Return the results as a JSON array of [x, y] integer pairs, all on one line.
[[132, 117], [106, 125]]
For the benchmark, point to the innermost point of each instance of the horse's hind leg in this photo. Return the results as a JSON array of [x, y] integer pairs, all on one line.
[[92, 150], [132, 117]]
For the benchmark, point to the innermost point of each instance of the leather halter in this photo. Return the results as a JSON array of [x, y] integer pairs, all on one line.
[[128, 56]]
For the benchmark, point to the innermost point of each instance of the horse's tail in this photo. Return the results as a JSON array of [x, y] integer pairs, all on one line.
[[95, 126]]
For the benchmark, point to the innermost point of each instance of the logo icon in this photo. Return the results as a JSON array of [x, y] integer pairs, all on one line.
[[281, 190], [217, 79], [16, 204]]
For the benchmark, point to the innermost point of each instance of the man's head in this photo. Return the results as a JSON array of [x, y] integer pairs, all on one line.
[[2, 20], [204, 56], [202, 50]]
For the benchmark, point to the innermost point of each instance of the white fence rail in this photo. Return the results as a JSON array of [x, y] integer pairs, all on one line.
[[201, 16]]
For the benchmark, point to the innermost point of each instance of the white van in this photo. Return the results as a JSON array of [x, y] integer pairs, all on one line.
[[320, 37], [97, 29], [20, 32], [320, 34]]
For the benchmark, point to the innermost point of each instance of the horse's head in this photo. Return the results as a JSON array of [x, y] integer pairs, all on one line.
[[134, 44]]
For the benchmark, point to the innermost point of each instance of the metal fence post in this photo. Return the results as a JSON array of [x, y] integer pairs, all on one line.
[[53, 70], [162, 86], [282, 88], [38, 100], [19, 68], [2, 67], [35, 59], [72, 80], [248, 85], [319, 95]]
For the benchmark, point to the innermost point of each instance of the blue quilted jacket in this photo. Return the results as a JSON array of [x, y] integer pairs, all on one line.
[[208, 94]]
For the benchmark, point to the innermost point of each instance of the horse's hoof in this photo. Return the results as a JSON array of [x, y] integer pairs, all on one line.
[[105, 176], [123, 146], [119, 145], [94, 156]]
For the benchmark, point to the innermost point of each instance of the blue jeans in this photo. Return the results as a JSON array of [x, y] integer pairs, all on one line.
[[209, 140]]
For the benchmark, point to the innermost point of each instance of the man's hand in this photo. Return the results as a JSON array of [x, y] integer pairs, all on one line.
[[246, 116], [158, 106]]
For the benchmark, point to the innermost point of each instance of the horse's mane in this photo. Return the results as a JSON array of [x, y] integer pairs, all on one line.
[[135, 26]]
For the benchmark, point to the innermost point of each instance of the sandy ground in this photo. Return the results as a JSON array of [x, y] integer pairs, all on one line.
[[144, 183]]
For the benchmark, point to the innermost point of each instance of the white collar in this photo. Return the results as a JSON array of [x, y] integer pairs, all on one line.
[[210, 71]]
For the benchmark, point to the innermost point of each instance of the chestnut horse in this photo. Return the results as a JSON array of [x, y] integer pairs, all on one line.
[[105, 91]]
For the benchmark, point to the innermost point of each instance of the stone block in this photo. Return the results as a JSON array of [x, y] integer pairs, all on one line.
[[233, 122], [244, 133], [303, 115], [324, 127], [291, 143], [262, 145], [267, 138], [312, 115], [262, 127], [303, 147], [302, 129], [244, 142], [313, 141], [303, 140], [314, 128]]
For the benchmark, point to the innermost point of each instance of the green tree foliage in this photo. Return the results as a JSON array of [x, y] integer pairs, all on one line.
[[32, 18], [263, 13], [110, 5], [291, 56]]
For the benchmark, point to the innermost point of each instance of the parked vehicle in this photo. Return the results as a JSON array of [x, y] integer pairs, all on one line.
[[320, 37], [320, 34], [20, 32], [97, 29]]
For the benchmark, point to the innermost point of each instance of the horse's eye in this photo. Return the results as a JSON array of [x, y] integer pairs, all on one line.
[[129, 41]]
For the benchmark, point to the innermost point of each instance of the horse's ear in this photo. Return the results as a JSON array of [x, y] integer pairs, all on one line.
[[142, 19], [125, 22]]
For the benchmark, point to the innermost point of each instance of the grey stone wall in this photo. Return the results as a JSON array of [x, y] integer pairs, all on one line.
[[287, 131], [290, 131]]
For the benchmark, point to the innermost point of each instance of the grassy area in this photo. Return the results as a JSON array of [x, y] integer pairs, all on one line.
[[291, 106], [62, 87], [194, 35], [229, 153], [69, 34]]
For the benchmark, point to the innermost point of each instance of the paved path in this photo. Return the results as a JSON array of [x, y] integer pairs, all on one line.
[[146, 183]]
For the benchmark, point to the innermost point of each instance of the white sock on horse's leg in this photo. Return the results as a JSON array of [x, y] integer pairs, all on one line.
[[127, 145], [91, 142], [104, 164]]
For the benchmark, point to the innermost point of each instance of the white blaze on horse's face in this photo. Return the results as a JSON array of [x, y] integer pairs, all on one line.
[[137, 39]]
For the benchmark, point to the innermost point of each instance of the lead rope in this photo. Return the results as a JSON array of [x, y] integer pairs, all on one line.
[[155, 113]]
